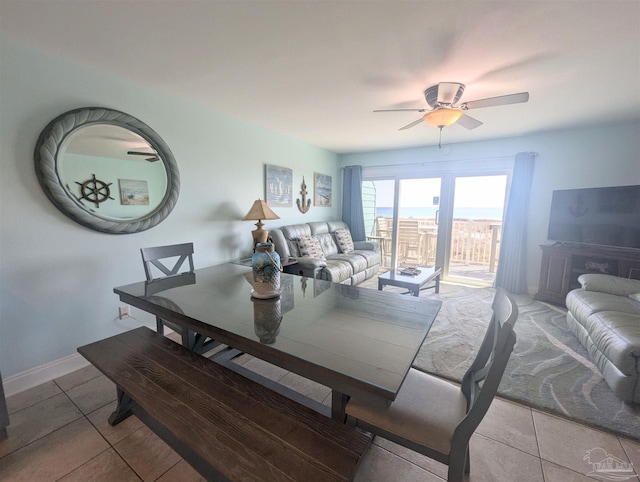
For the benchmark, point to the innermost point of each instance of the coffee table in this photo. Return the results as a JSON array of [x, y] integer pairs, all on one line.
[[412, 283]]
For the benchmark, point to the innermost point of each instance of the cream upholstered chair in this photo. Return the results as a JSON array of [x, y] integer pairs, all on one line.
[[156, 260], [435, 417]]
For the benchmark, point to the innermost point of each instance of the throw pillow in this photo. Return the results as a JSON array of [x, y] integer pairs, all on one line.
[[310, 246], [343, 238]]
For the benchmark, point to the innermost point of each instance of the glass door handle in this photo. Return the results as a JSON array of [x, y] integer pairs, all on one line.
[[437, 215]]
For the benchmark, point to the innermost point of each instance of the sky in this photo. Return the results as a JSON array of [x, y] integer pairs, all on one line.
[[484, 191]]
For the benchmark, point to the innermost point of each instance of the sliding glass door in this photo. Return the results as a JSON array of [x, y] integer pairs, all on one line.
[[402, 216], [453, 221], [417, 226], [476, 227]]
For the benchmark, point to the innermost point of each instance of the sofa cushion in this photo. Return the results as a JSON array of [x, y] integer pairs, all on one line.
[[624, 386], [343, 238], [635, 296], [583, 303], [617, 336], [373, 258], [337, 270], [292, 233], [335, 225], [358, 263], [609, 284], [309, 246], [327, 244], [319, 227]]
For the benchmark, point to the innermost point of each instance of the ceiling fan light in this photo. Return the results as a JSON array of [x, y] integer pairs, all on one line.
[[443, 117]]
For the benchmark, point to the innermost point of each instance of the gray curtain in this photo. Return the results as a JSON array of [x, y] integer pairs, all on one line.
[[352, 201], [512, 274]]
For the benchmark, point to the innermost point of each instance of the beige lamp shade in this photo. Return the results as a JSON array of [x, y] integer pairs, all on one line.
[[259, 211], [443, 117]]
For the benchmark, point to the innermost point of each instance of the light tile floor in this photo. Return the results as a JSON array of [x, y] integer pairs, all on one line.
[[59, 431]]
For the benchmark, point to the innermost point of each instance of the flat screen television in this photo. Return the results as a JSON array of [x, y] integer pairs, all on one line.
[[605, 216]]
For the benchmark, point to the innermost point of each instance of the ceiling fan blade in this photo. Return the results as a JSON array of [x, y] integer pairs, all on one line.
[[140, 153], [400, 110], [469, 122], [449, 92], [495, 101], [152, 159], [414, 123]]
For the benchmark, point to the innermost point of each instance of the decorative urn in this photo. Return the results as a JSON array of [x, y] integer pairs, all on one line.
[[266, 267]]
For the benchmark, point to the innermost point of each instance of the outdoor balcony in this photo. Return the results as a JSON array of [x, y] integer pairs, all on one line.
[[475, 245]]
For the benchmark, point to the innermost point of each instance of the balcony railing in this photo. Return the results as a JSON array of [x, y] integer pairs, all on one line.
[[474, 242]]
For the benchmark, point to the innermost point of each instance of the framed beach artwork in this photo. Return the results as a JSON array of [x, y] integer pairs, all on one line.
[[278, 186], [133, 193], [321, 190]]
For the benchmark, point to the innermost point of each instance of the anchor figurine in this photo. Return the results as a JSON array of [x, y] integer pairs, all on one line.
[[305, 204]]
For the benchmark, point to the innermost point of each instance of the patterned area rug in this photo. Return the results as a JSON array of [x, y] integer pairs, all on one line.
[[548, 370]]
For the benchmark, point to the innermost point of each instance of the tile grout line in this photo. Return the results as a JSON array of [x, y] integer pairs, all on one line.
[[581, 425], [110, 445], [46, 434], [407, 460]]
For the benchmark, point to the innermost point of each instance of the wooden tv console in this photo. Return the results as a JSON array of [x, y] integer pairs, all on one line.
[[562, 264]]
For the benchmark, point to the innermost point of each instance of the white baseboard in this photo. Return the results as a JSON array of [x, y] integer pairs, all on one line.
[[36, 376]]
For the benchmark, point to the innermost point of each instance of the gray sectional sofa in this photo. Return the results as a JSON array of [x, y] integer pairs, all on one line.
[[337, 263], [605, 316]]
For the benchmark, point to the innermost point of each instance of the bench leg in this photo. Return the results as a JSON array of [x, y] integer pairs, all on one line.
[[123, 410], [338, 404], [159, 326]]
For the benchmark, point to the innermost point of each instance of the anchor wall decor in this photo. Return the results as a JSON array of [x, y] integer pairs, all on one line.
[[304, 204]]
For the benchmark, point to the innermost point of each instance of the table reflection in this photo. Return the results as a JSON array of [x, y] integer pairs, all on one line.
[[162, 284], [267, 316]]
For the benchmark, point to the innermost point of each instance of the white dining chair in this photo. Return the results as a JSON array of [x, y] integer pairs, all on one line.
[[435, 417]]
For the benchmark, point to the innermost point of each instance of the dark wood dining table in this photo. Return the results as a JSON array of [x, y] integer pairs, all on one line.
[[356, 341]]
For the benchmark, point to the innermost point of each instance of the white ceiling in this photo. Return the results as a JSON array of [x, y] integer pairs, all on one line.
[[315, 70]]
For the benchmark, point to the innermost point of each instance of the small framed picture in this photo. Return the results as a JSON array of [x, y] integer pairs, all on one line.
[[133, 193], [322, 191], [278, 186]]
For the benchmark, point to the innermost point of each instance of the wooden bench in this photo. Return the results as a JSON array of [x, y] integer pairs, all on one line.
[[226, 426]]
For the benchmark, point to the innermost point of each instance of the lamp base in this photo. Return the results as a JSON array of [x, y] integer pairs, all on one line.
[[259, 235]]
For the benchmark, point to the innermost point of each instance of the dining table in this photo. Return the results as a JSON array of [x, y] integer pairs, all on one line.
[[356, 341]]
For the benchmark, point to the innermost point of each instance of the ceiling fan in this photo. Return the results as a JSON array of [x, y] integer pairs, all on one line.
[[153, 156], [443, 99]]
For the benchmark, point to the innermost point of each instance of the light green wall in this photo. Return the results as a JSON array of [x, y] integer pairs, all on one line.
[[589, 157], [58, 276]]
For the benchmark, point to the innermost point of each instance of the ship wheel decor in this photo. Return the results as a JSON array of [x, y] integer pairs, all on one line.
[[98, 136], [95, 191], [304, 204]]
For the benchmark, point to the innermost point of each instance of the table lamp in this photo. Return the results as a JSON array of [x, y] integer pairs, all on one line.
[[259, 211]]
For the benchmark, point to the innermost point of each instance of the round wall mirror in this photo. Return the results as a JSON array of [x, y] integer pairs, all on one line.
[[107, 170]]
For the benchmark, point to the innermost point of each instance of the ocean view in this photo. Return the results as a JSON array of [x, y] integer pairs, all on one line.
[[430, 212]]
